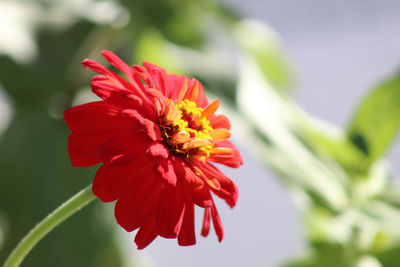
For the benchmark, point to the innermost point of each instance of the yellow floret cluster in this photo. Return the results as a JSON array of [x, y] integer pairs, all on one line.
[[204, 129], [189, 108]]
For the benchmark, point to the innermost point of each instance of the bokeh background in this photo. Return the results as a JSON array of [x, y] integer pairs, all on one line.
[[322, 55]]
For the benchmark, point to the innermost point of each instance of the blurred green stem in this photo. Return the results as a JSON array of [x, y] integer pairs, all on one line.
[[75, 203]]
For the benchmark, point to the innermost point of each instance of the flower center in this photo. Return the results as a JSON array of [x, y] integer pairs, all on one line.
[[186, 130]]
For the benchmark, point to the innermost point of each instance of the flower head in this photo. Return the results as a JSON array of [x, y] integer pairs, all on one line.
[[157, 138]]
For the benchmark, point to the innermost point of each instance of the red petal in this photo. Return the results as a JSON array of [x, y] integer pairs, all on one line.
[[151, 129], [119, 64], [234, 160], [135, 84], [201, 197], [146, 234], [143, 74], [97, 67], [228, 190], [206, 222], [170, 213], [105, 89], [159, 76], [177, 86], [166, 170], [123, 148], [187, 236], [187, 174], [157, 151], [83, 147], [123, 98], [220, 121], [219, 230], [112, 181], [136, 207], [95, 116], [196, 94]]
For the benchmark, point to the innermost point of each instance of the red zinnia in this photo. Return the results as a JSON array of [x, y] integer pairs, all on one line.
[[156, 135]]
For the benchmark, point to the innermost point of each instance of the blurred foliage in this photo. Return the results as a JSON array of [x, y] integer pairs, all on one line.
[[338, 178], [377, 120]]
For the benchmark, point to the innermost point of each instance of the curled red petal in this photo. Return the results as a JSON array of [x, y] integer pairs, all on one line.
[[119, 64], [97, 67], [106, 89], [143, 74], [150, 128], [233, 160], [227, 189], [158, 76], [157, 151]]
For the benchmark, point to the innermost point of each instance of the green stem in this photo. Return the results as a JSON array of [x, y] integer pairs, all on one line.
[[68, 208]]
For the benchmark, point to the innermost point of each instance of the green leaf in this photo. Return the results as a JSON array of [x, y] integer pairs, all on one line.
[[259, 40], [377, 120], [273, 116], [390, 257], [326, 255], [332, 143], [153, 47]]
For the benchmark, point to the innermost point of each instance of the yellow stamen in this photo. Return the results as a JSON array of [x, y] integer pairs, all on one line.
[[188, 131]]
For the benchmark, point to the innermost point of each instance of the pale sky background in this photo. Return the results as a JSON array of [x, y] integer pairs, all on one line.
[[339, 49]]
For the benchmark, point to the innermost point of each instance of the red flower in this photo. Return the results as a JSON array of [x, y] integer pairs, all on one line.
[[157, 136]]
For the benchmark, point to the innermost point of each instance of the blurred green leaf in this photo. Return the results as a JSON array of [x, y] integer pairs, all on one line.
[[377, 119], [180, 21], [331, 143], [153, 47], [273, 116], [390, 257], [187, 26], [326, 255], [392, 194], [259, 40]]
